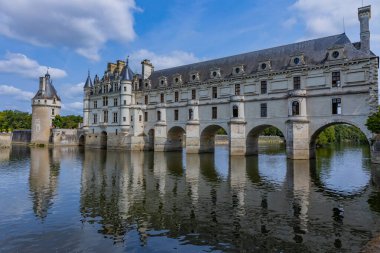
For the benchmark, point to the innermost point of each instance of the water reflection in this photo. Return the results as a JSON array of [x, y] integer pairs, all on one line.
[[146, 201], [43, 180]]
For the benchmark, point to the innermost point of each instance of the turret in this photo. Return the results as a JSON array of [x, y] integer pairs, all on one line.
[[364, 14], [86, 101], [126, 96]]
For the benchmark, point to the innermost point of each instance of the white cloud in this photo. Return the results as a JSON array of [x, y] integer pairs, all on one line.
[[20, 64], [289, 23], [6, 90], [73, 91], [80, 25], [174, 58], [76, 107]]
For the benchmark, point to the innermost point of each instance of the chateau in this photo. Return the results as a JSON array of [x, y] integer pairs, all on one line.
[[299, 88]]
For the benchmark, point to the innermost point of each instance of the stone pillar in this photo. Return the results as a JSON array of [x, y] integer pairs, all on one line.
[[192, 137], [237, 138], [375, 149], [297, 141], [160, 136]]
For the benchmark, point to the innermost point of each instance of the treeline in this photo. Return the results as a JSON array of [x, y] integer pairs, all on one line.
[[16, 120], [11, 120]]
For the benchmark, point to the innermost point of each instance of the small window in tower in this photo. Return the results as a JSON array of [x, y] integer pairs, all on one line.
[[214, 112], [193, 94], [176, 96], [335, 79], [115, 102], [336, 106], [295, 108], [115, 117], [158, 115], [125, 88], [214, 92], [263, 87], [124, 119], [145, 116], [176, 115], [125, 102], [297, 82], [146, 99], [52, 112], [140, 118], [54, 101], [237, 89], [162, 97], [263, 110], [235, 111], [191, 114]]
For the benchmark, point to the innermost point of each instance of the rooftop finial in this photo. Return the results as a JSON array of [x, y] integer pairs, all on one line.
[[88, 72], [127, 61]]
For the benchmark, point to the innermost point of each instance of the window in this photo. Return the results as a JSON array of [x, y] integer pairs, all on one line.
[[124, 119], [237, 89], [191, 114], [145, 116], [193, 94], [296, 82], [116, 87], [336, 106], [214, 112], [162, 97], [235, 111], [158, 115], [95, 118], [125, 88], [125, 102], [54, 101], [263, 87], [105, 101], [214, 92], [116, 131], [115, 117], [52, 112], [146, 100], [175, 114], [335, 79], [95, 104], [176, 96], [295, 108], [115, 102], [105, 116], [263, 110], [140, 118]]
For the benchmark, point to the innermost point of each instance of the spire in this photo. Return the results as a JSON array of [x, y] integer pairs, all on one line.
[[47, 75], [127, 73], [88, 83]]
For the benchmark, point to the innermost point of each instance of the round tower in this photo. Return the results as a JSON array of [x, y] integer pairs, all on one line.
[[86, 102], [126, 97], [46, 104]]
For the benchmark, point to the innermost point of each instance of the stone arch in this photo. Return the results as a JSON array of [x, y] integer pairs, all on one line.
[[252, 140], [207, 140], [103, 140], [319, 128], [150, 140], [175, 139], [81, 140]]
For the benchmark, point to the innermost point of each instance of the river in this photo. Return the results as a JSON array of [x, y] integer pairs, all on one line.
[[70, 199]]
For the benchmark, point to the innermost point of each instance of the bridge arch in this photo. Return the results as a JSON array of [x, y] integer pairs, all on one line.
[[207, 140], [81, 140], [176, 137], [103, 140], [252, 139], [316, 130]]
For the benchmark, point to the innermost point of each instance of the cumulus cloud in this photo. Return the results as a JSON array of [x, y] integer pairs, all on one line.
[[325, 17], [73, 91], [80, 25], [16, 93], [20, 64], [75, 107], [174, 58], [289, 23]]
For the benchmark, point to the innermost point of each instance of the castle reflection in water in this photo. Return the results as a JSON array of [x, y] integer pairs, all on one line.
[[235, 203]]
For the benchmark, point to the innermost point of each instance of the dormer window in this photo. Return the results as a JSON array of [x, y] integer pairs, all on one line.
[[238, 70], [264, 66], [194, 77], [297, 60], [215, 73], [336, 54], [177, 79], [163, 81]]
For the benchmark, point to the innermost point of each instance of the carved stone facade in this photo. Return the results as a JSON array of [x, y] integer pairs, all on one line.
[[300, 89]]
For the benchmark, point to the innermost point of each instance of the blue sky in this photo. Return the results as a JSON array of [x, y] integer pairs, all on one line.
[[71, 37]]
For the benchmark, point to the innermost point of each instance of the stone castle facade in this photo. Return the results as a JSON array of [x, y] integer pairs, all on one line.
[[299, 88]]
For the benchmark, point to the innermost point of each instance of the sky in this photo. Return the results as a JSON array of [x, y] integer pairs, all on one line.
[[73, 37]]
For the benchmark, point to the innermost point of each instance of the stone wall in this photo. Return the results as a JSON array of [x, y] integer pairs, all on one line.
[[65, 137], [5, 140], [21, 136]]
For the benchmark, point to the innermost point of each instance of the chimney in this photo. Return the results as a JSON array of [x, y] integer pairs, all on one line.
[[42, 84], [147, 69], [364, 14]]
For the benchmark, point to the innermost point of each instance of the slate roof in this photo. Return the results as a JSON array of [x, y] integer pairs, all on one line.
[[88, 83], [127, 73], [315, 52], [50, 92]]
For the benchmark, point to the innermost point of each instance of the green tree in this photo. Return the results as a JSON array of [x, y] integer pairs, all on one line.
[[69, 121], [11, 120], [373, 122]]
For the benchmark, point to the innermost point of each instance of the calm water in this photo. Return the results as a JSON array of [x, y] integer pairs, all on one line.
[[75, 200]]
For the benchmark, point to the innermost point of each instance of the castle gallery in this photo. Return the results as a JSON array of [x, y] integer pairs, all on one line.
[[299, 88]]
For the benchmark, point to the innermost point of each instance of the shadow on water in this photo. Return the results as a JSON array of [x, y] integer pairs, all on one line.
[[178, 202]]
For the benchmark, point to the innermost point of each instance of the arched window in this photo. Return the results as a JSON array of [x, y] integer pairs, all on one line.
[[295, 108], [158, 115], [190, 114], [235, 111]]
